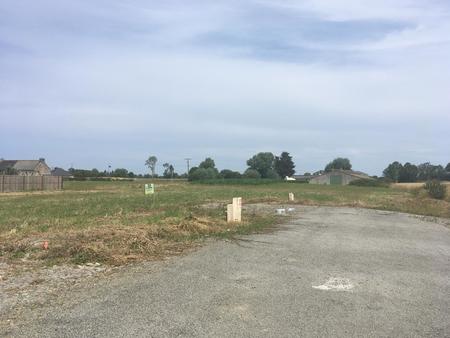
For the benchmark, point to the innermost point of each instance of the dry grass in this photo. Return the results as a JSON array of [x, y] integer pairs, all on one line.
[[114, 223], [415, 185]]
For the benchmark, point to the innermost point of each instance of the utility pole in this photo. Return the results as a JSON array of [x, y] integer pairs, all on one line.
[[187, 163]]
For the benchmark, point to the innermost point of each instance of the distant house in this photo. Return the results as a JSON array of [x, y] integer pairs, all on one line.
[[338, 177], [25, 167], [61, 172]]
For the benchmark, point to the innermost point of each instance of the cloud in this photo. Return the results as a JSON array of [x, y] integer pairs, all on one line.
[[96, 82]]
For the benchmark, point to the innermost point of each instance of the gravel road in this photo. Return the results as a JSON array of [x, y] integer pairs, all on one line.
[[336, 272]]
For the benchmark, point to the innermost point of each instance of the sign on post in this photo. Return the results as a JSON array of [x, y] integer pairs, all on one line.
[[149, 189]]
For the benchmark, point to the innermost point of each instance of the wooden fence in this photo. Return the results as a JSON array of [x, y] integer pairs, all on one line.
[[10, 183]]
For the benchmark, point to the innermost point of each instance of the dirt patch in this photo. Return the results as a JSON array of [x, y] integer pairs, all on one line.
[[25, 285]]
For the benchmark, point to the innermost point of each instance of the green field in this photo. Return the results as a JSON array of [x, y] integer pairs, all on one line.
[[114, 223]]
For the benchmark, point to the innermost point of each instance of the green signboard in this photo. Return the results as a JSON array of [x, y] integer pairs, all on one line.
[[149, 189]]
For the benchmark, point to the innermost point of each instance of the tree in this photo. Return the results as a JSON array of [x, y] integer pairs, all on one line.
[[120, 172], [252, 173], [151, 164], [196, 174], [210, 165], [447, 172], [226, 173], [207, 163], [169, 170], [95, 172], [284, 166], [408, 173], [393, 171], [339, 163], [272, 174], [428, 171], [263, 163]]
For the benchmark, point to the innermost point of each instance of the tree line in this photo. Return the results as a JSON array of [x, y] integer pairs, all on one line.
[[262, 165], [409, 172], [266, 165]]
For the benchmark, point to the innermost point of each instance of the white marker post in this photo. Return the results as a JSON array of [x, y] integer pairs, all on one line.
[[234, 210]]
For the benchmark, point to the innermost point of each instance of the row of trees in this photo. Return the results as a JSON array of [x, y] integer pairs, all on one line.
[[267, 165], [261, 165], [408, 172], [119, 172]]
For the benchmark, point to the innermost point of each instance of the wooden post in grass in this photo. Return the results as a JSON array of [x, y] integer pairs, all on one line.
[[291, 197], [234, 210]]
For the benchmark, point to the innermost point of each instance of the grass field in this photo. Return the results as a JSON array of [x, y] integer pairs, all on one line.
[[114, 223]]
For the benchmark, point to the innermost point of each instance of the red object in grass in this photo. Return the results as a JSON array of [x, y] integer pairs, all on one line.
[[45, 245]]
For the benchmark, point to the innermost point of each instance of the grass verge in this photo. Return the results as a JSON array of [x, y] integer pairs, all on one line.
[[114, 223]]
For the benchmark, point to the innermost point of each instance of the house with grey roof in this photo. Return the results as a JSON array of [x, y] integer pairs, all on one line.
[[61, 172], [24, 167]]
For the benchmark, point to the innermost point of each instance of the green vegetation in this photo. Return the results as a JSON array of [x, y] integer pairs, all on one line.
[[113, 222], [151, 164], [264, 164], [261, 166], [339, 163], [412, 173], [436, 189], [284, 166]]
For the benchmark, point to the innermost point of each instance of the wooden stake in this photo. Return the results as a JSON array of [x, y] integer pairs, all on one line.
[[234, 210]]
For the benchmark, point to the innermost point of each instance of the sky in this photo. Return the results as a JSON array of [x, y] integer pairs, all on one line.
[[92, 83]]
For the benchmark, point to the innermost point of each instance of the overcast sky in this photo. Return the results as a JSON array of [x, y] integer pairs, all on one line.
[[92, 83]]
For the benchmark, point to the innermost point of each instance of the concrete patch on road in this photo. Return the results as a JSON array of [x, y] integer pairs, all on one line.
[[335, 284]]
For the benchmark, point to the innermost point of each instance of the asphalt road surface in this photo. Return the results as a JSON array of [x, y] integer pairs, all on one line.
[[330, 272]]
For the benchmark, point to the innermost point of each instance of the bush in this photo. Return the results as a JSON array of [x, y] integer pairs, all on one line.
[[202, 174], [252, 173], [364, 182], [229, 174], [436, 189]]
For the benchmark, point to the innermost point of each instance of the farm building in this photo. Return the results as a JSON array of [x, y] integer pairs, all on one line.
[[338, 177], [25, 167]]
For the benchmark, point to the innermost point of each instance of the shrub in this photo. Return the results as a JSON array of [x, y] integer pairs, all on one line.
[[364, 182], [436, 189], [252, 173], [202, 174], [229, 174]]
